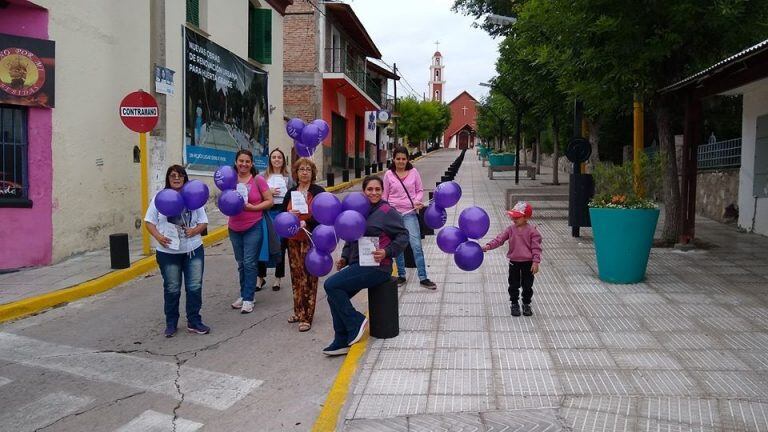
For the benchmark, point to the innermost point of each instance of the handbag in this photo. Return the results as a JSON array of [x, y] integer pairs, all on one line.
[[270, 251], [424, 229]]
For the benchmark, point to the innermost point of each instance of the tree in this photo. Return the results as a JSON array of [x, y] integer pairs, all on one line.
[[422, 120], [606, 53]]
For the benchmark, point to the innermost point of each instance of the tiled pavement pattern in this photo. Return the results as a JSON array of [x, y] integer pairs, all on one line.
[[686, 350]]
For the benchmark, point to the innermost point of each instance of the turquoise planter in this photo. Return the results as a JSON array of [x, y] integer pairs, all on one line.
[[623, 241], [499, 159]]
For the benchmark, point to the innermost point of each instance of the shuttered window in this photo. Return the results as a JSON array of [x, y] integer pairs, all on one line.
[[260, 34], [14, 186], [193, 12]]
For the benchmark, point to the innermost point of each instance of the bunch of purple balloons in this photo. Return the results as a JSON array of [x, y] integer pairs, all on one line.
[[338, 219], [193, 195], [473, 224], [307, 136], [230, 201]]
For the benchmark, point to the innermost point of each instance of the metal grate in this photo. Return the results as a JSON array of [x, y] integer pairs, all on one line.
[[13, 153], [720, 154]]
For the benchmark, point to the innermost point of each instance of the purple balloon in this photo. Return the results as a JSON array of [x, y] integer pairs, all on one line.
[[318, 263], [435, 216], [468, 256], [324, 238], [323, 126], [350, 225], [449, 238], [302, 150], [230, 202], [169, 202], [475, 222], [447, 194], [326, 208], [225, 178], [294, 127], [286, 224], [310, 136], [358, 202], [195, 194]]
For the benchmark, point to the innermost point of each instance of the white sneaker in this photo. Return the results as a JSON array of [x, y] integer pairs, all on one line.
[[247, 307], [238, 303]]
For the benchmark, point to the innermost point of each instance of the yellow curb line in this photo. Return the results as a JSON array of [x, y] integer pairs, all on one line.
[[329, 415], [32, 305]]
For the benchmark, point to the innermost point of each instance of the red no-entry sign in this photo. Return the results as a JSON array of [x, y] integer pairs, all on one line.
[[139, 112]]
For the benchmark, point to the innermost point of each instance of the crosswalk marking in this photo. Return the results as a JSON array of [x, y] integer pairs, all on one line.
[[42, 412], [153, 421], [211, 389]]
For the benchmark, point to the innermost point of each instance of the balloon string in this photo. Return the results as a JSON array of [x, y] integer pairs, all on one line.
[[309, 234]]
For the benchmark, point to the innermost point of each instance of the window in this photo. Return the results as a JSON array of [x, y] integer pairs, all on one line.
[[437, 95], [437, 61], [193, 12], [437, 75], [13, 154], [260, 34]]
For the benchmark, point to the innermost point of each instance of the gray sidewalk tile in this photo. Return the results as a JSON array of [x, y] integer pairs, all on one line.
[[684, 350]]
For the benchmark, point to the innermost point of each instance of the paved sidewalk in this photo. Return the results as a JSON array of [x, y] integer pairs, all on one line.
[[687, 349]]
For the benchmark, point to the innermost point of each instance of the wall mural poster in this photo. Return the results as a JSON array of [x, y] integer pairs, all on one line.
[[27, 71], [226, 107]]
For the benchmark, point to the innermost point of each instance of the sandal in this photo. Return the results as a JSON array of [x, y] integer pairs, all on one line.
[[293, 319], [304, 326]]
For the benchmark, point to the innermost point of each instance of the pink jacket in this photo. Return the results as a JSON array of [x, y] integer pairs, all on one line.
[[394, 193], [524, 243]]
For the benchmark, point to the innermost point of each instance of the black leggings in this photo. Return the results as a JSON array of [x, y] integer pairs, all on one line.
[[520, 274], [280, 268]]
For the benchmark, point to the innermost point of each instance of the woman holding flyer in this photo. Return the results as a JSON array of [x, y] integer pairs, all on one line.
[[179, 254], [364, 263], [279, 182], [299, 202]]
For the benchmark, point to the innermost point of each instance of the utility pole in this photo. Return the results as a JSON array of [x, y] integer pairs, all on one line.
[[395, 114]]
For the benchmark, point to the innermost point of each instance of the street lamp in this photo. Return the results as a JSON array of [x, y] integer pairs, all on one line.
[[517, 131], [500, 19]]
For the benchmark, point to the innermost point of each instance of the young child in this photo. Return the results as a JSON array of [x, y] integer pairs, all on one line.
[[524, 255]]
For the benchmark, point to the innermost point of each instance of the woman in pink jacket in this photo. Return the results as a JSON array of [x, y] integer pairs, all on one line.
[[404, 191]]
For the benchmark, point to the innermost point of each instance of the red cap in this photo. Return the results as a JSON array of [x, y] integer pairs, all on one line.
[[521, 209]]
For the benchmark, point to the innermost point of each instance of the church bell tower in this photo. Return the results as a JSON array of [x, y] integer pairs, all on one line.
[[436, 77]]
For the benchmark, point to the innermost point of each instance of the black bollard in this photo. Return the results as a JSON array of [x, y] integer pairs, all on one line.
[[345, 175], [382, 310], [444, 179], [358, 172], [329, 179], [118, 251], [381, 166], [431, 195], [367, 170]]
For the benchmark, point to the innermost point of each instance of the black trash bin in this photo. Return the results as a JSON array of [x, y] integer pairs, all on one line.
[[382, 310], [118, 251]]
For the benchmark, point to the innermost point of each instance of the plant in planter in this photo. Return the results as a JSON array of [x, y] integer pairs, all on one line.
[[624, 215]]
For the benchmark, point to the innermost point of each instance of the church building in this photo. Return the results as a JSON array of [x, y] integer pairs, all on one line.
[[461, 133]]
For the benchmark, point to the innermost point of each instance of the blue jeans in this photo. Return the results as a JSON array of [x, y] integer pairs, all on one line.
[[341, 287], [172, 267], [411, 222], [246, 246]]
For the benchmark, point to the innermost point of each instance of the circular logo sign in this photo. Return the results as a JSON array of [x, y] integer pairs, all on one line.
[[139, 112], [21, 72]]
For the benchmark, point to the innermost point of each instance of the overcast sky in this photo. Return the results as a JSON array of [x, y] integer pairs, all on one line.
[[405, 32]]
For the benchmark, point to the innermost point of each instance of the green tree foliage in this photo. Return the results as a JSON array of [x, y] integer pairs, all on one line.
[[422, 120]]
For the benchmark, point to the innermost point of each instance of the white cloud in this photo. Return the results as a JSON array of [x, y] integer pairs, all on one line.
[[405, 32]]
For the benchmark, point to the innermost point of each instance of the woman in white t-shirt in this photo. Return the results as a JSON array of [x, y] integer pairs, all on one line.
[[280, 182], [183, 257]]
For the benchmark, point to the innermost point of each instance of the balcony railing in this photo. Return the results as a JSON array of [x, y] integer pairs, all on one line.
[[340, 61]]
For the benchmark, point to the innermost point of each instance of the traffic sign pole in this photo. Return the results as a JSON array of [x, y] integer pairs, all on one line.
[[139, 113], [144, 189]]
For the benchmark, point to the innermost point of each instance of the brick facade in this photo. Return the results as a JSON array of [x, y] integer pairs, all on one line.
[[461, 117]]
